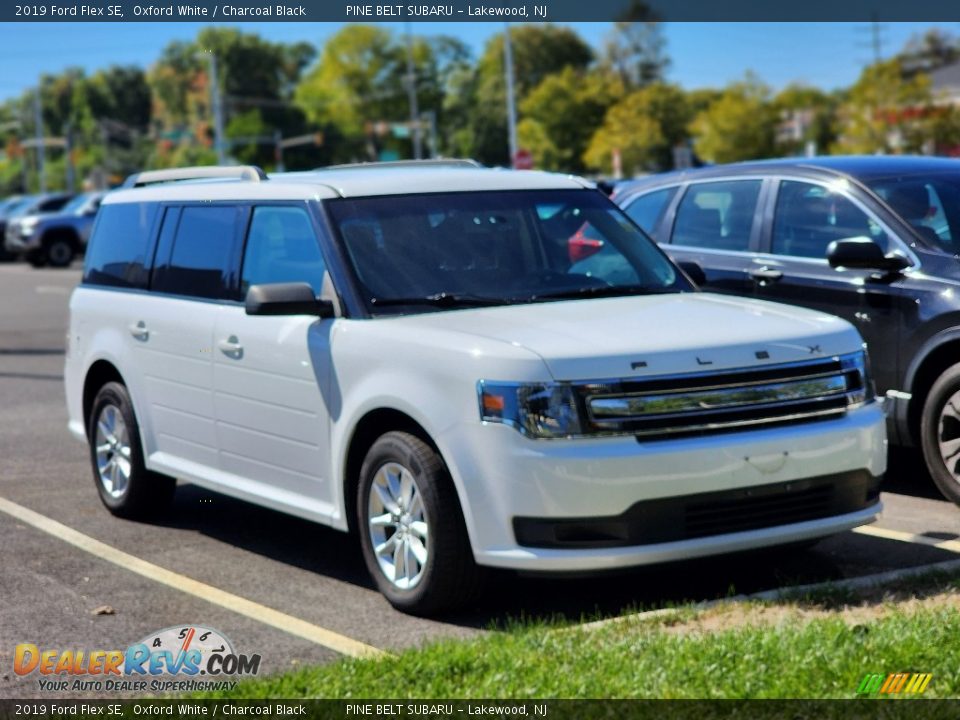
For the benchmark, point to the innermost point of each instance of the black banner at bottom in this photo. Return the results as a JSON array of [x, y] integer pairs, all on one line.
[[888, 709]]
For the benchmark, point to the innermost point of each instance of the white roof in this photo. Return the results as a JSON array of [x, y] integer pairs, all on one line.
[[360, 181]]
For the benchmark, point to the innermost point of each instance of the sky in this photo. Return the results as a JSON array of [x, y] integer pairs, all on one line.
[[826, 55]]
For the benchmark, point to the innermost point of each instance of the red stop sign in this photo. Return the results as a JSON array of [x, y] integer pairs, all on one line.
[[523, 160]]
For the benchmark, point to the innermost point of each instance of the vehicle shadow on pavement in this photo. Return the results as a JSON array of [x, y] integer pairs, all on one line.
[[907, 475], [509, 596]]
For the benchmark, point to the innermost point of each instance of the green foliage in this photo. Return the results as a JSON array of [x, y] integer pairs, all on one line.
[[738, 125], [560, 115], [886, 112], [644, 128]]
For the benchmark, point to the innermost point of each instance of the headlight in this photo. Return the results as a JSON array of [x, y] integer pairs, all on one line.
[[856, 366], [540, 410], [28, 226]]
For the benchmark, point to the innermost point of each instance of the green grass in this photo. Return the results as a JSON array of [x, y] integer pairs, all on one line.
[[822, 658]]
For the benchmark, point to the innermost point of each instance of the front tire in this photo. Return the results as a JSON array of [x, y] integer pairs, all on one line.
[[940, 433], [124, 484], [411, 527], [60, 251]]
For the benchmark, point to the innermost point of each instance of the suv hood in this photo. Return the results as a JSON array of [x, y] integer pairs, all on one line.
[[654, 335]]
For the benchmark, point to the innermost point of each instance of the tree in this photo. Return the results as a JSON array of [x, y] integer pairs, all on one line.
[[806, 115], [886, 112], [561, 114], [636, 52], [539, 50], [254, 75], [934, 49], [360, 84], [643, 128], [739, 125]]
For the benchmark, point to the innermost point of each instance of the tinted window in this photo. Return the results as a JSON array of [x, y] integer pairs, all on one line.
[[930, 205], [717, 215], [53, 204], [647, 210], [202, 259], [281, 247], [809, 217], [509, 247], [117, 250]]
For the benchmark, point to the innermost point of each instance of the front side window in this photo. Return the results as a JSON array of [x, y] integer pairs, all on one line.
[[717, 215], [460, 249], [202, 257], [808, 217], [281, 247], [116, 254]]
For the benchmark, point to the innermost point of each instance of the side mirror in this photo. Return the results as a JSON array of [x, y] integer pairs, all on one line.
[[693, 271], [295, 298], [864, 254]]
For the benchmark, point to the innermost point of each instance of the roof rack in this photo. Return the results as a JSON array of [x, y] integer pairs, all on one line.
[[431, 162], [242, 172]]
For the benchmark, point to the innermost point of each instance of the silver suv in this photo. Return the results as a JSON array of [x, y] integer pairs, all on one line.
[[53, 237]]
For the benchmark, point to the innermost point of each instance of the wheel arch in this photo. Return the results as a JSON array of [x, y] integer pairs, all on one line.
[[368, 428], [935, 356], [98, 374]]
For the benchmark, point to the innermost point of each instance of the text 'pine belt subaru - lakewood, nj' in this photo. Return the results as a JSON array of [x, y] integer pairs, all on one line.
[[422, 353]]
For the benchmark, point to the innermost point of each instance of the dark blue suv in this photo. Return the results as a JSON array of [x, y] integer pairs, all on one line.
[[874, 239]]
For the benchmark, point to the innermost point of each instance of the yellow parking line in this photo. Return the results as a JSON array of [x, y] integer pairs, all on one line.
[[255, 611], [879, 532]]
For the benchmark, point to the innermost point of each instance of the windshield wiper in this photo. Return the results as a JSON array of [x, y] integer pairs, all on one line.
[[442, 300], [601, 291]]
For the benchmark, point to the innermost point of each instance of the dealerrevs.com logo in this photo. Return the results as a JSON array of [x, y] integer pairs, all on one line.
[[175, 659]]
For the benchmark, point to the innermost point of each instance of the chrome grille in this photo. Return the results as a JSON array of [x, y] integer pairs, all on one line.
[[715, 402]]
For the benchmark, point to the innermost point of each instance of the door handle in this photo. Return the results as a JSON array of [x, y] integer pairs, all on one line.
[[139, 331], [231, 347], [765, 275]]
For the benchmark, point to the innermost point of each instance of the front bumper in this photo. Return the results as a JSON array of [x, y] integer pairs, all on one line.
[[503, 476], [16, 243]]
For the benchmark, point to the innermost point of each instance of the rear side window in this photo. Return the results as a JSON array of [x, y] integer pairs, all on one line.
[[117, 251], [717, 215], [202, 260], [647, 210]]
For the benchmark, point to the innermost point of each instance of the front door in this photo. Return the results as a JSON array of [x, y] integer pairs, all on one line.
[[272, 374]]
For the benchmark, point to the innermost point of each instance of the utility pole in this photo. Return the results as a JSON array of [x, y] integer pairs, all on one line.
[[68, 152], [38, 126], [411, 79], [216, 103], [511, 100]]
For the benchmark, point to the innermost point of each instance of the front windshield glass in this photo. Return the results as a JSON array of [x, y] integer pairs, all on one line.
[[76, 204], [930, 204], [414, 252]]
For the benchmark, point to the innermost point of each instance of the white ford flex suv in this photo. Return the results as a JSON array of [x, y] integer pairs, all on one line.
[[466, 367]]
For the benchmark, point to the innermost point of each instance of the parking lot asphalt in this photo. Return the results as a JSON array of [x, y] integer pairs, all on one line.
[[54, 594]]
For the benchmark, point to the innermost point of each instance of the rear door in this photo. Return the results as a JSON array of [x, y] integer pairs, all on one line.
[[272, 374], [194, 275], [716, 225]]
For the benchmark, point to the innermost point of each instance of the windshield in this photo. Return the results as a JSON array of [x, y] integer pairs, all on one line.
[[929, 204], [77, 204], [416, 252]]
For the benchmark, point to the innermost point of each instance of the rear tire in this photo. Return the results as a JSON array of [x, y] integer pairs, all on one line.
[[940, 433], [411, 526], [124, 484]]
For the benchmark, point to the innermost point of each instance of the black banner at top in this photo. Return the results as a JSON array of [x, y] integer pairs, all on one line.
[[515, 11]]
